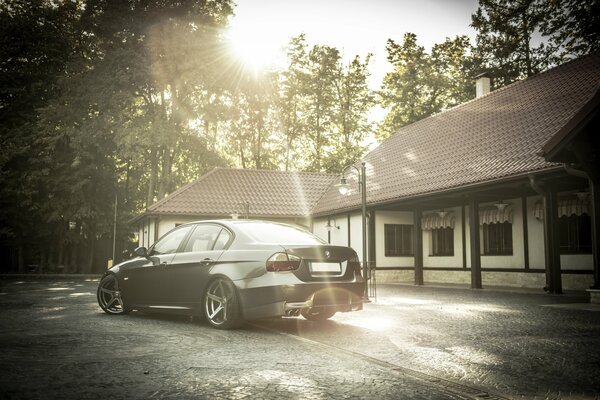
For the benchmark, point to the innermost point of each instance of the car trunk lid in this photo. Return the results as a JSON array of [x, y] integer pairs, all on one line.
[[326, 262]]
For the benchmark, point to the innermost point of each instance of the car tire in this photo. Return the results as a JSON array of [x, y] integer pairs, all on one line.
[[109, 296], [315, 314], [221, 306]]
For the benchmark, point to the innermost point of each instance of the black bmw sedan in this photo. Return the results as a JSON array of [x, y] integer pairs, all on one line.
[[234, 270]]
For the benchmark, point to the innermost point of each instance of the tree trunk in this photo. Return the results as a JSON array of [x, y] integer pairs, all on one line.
[[92, 249], [42, 262], [287, 152], [242, 156], [153, 177], [127, 173], [21, 259], [74, 259], [61, 252], [165, 178]]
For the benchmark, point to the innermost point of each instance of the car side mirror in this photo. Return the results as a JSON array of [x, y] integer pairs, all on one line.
[[141, 251]]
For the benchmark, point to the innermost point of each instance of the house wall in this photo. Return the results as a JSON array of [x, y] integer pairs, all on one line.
[[166, 223], [455, 261], [535, 228], [146, 232], [151, 229], [319, 228], [356, 234], [339, 236], [390, 217], [516, 260], [506, 270]]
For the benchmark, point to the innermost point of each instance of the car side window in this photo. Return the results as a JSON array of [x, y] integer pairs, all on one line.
[[222, 240], [203, 238], [171, 241]]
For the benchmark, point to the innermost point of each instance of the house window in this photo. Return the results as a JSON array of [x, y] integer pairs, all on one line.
[[497, 239], [398, 240], [442, 242], [575, 234]]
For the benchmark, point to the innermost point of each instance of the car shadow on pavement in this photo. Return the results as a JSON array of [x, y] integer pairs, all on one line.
[[289, 325]]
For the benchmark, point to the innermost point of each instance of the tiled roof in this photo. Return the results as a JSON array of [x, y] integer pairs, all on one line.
[[225, 191], [494, 137]]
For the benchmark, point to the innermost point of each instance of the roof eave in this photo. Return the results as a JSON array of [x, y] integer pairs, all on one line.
[[468, 187], [213, 216]]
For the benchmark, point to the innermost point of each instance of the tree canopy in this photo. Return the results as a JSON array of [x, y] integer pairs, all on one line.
[[105, 101]]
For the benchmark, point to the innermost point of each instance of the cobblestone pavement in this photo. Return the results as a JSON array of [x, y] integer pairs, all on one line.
[[413, 343]]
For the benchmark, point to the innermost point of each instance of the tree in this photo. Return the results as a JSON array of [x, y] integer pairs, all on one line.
[[323, 107], [354, 100], [453, 73], [97, 104], [404, 89], [505, 39], [37, 40], [572, 27], [291, 100], [253, 121], [422, 84], [322, 68]]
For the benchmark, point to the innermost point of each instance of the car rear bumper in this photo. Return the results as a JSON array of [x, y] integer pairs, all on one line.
[[273, 301]]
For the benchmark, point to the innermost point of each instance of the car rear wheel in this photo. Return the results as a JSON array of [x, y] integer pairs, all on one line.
[[221, 305], [315, 314], [109, 296]]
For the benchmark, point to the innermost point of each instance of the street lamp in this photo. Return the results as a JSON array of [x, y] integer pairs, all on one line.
[[344, 188]]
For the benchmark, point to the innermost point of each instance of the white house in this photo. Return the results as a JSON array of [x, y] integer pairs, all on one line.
[[480, 167], [235, 193], [494, 166]]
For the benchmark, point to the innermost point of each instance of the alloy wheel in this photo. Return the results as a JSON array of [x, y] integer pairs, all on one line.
[[109, 295], [221, 305]]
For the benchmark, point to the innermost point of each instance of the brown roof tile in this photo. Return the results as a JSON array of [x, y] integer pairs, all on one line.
[[496, 136], [224, 191]]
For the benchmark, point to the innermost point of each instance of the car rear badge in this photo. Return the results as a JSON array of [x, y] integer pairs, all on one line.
[[327, 254]]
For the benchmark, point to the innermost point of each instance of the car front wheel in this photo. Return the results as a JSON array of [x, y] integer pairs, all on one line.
[[109, 296], [221, 305], [315, 314]]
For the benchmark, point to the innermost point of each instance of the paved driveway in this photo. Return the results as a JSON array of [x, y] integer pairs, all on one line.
[[413, 343]]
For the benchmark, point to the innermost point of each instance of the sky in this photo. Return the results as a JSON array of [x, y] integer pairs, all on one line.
[[261, 29]]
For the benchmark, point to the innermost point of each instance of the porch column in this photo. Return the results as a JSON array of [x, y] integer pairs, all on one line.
[[525, 233], [553, 276], [418, 246], [475, 244], [372, 242], [595, 191]]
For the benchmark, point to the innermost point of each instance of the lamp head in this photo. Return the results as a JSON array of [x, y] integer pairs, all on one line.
[[343, 186]]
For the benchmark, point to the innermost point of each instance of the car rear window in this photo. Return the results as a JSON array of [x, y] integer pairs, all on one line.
[[280, 234]]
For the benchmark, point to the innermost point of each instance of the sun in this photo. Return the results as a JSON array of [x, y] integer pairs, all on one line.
[[254, 46]]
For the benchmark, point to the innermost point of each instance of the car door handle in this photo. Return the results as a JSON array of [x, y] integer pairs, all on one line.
[[164, 264], [207, 261]]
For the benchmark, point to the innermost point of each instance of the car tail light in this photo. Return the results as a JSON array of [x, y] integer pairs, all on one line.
[[354, 263], [282, 262]]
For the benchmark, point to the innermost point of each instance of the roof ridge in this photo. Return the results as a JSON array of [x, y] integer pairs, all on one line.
[[277, 171]]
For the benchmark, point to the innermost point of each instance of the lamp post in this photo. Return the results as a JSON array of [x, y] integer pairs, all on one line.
[[114, 247], [344, 188]]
